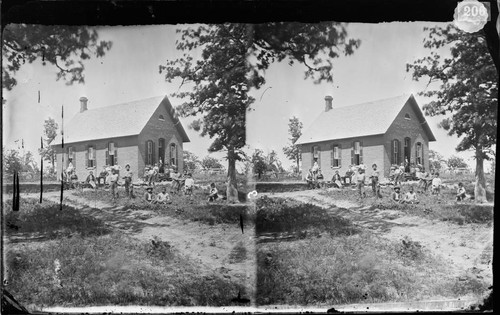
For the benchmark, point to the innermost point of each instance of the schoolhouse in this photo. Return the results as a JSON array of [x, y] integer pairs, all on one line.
[[384, 132], [140, 133]]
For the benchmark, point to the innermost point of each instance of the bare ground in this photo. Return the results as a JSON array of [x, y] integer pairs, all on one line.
[[467, 248]]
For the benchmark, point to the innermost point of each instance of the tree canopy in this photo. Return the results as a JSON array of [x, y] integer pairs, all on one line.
[[455, 162], [463, 87], [65, 47], [50, 132], [232, 61]]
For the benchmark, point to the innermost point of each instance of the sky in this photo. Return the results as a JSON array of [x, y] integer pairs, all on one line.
[[130, 71]]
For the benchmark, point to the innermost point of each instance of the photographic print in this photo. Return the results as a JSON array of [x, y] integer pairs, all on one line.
[[282, 164]]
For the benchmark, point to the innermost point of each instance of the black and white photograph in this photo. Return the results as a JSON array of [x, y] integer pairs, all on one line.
[[277, 166]]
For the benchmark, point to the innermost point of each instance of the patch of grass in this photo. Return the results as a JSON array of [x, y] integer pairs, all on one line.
[[276, 215], [48, 219], [353, 269], [111, 270], [238, 254], [441, 207], [195, 208]]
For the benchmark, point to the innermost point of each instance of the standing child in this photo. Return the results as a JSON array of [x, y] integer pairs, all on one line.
[[113, 183], [374, 181], [436, 184], [189, 184], [461, 195], [360, 182], [127, 176]]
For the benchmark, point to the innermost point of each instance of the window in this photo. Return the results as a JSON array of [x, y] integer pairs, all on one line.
[[419, 153], [407, 150], [71, 155], [173, 154], [357, 153], [161, 118], [407, 116], [316, 156], [150, 152], [336, 152], [111, 154], [395, 152], [91, 156]]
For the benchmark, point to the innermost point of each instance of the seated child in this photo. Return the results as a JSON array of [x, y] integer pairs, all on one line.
[[148, 195], [436, 184], [337, 180], [163, 197], [91, 180], [461, 195], [188, 184], [396, 194], [411, 197], [213, 193]]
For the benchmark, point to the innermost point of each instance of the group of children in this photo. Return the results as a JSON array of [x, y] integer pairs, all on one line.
[[357, 177], [164, 198]]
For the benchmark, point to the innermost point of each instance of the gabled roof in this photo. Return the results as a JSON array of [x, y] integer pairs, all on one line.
[[366, 119], [127, 119]]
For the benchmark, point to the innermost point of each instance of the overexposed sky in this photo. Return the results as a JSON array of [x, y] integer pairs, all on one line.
[[129, 71]]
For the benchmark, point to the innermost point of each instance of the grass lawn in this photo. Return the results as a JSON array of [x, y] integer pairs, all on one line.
[[345, 265], [442, 207], [110, 270], [98, 266], [354, 269]]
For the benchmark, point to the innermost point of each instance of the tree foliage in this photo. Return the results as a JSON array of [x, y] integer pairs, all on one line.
[[455, 162], [464, 89], [292, 151], [209, 162], [262, 163], [65, 47], [191, 161], [435, 159], [14, 161], [50, 132], [232, 60]]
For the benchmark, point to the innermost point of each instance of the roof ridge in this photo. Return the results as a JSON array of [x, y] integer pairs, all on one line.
[[120, 104], [406, 95]]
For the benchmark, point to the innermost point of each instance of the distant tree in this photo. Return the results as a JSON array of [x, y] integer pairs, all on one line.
[[259, 162], [211, 162], [232, 61], [50, 131], [466, 91], [292, 151], [11, 161], [14, 161], [455, 162], [65, 47], [435, 159], [273, 162], [191, 161]]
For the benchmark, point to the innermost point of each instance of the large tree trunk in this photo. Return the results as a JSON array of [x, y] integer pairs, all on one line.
[[232, 190], [480, 185]]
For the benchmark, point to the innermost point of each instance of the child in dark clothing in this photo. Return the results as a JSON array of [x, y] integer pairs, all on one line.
[[374, 181]]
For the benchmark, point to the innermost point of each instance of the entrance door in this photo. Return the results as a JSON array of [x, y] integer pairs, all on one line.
[[161, 154], [407, 151]]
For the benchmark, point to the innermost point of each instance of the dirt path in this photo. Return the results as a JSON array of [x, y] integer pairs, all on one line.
[[468, 248], [210, 246]]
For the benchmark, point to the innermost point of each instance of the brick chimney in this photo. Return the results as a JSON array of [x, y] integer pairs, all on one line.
[[328, 103], [83, 104]]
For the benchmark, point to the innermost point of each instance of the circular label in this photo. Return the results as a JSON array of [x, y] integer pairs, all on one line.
[[470, 16]]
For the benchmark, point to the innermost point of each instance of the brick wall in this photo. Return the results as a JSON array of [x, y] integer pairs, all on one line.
[[156, 129], [402, 128], [373, 152], [126, 148]]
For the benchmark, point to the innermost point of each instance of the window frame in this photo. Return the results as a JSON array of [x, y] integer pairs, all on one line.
[[91, 158], [336, 161]]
